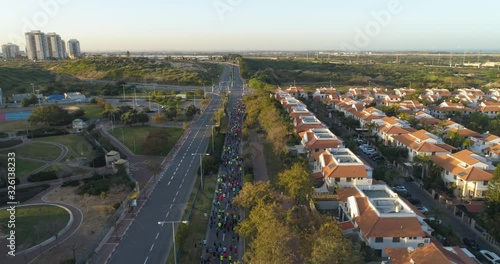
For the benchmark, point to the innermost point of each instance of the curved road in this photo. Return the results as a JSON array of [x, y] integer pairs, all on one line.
[[146, 241]]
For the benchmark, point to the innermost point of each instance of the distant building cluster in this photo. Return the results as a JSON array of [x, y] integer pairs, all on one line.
[[10, 51], [41, 46]]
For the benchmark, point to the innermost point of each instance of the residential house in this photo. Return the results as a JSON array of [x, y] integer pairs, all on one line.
[[317, 140], [304, 123], [79, 125], [481, 144], [297, 111], [468, 173], [446, 109], [430, 253], [402, 92], [358, 92], [411, 106], [289, 102], [322, 93], [297, 92], [384, 220], [341, 167], [493, 152], [422, 143], [491, 109]]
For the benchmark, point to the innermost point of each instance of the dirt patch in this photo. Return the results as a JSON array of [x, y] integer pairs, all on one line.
[[96, 212]]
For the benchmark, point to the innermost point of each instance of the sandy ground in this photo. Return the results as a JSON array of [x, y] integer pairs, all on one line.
[[96, 212]]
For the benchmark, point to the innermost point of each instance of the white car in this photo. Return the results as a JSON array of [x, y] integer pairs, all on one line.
[[422, 209], [490, 256], [435, 220]]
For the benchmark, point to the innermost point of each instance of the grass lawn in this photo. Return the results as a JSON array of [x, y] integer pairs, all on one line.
[[92, 111], [37, 151], [197, 227], [23, 167], [35, 224], [76, 145], [12, 126], [134, 138], [273, 162]]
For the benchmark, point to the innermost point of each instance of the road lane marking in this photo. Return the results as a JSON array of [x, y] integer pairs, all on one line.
[[157, 234], [177, 193], [146, 260], [172, 177], [168, 182], [168, 212], [180, 186], [171, 206], [223, 236], [174, 199], [183, 179], [151, 247]]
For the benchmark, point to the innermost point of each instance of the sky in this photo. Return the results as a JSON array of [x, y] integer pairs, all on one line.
[[243, 25]]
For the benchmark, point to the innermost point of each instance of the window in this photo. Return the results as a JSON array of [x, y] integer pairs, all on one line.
[[379, 240], [337, 179], [485, 183], [348, 179], [396, 239], [360, 179]]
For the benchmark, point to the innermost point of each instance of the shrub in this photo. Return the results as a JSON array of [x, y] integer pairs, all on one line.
[[10, 143], [3, 135], [95, 187], [248, 178], [71, 183], [42, 176]]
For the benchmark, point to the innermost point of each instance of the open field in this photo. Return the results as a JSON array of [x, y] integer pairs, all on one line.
[[36, 150], [135, 137], [92, 111], [35, 224], [77, 146], [96, 213], [23, 167], [386, 74]]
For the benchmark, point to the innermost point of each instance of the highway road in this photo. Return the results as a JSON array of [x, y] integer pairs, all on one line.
[[152, 86], [146, 241]]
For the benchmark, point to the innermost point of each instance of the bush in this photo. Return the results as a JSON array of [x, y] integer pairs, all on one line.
[[98, 161], [42, 176], [3, 135], [10, 143], [117, 205], [47, 132], [71, 183], [95, 187]]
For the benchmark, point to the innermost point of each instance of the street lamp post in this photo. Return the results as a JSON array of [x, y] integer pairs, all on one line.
[[213, 149], [123, 87], [173, 234], [201, 164]]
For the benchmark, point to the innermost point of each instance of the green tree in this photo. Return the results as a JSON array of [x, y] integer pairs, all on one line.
[[491, 213], [50, 114], [254, 193], [331, 247], [297, 182], [423, 161], [129, 118], [142, 117], [191, 110]]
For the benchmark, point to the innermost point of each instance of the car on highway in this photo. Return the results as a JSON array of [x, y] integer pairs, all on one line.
[[471, 243], [490, 256], [422, 209]]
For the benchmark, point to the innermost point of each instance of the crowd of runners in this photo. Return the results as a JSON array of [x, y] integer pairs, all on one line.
[[221, 245]]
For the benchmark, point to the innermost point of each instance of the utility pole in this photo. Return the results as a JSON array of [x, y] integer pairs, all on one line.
[[123, 86]]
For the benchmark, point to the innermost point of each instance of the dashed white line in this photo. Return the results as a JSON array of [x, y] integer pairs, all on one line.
[[174, 199], [183, 180], [157, 234], [168, 212], [146, 260], [151, 247], [180, 186], [177, 193], [171, 206], [168, 182]]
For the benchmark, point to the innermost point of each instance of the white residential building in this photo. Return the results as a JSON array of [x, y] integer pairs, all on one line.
[[340, 167], [10, 51], [37, 47], [73, 48], [384, 220]]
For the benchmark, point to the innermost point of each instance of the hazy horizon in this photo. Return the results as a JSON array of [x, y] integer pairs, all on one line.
[[239, 25]]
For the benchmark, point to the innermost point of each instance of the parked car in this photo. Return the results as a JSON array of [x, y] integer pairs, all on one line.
[[470, 243], [370, 151], [490, 256], [399, 188], [422, 209], [414, 201], [360, 141], [434, 220], [404, 194]]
